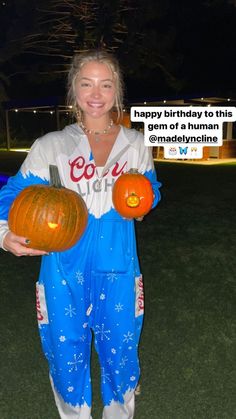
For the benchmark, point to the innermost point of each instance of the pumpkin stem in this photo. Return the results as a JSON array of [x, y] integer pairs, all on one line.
[[54, 176], [133, 171]]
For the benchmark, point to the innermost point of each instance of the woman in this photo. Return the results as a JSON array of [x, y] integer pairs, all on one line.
[[96, 286]]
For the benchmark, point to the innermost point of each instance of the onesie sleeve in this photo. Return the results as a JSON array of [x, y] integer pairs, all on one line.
[[34, 170], [146, 167]]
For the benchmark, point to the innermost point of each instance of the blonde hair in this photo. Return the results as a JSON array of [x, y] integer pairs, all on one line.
[[102, 57]]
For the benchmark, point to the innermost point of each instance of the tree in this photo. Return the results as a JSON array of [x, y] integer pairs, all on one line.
[[57, 29]]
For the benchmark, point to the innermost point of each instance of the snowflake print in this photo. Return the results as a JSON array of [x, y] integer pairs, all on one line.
[[133, 378], [85, 325], [109, 361], [123, 361], [75, 362], [119, 307], [119, 387], [62, 338], [103, 333], [128, 337], [53, 369], [111, 276], [113, 350], [63, 282], [79, 277], [82, 338], [102, 297], [70, 311], [105, 377], [70, 389]]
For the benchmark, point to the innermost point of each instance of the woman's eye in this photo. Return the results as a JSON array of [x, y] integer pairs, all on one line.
[[85, 84], [107, 86]]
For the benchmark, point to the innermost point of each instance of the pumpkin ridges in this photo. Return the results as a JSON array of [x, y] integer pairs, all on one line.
[[73, 219]]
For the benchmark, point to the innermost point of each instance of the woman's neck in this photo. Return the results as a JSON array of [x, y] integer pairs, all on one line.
[[96, 124]]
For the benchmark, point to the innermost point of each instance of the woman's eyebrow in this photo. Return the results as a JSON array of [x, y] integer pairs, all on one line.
[[87, 78]]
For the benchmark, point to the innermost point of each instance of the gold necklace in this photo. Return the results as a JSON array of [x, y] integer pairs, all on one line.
[[95, 132]]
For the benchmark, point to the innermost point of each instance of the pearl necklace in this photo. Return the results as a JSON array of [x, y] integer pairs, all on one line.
[[95, 132]]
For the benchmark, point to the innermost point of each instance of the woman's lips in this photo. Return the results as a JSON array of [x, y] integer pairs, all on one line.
[[95, 104]]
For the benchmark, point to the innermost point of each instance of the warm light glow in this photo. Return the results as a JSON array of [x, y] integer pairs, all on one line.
[[53, 225], [16, 110], [35, 111], [133, 201]]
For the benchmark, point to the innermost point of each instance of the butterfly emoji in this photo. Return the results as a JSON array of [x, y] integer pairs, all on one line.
[[183, 150]]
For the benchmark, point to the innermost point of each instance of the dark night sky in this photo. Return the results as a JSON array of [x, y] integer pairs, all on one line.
[[195, 44]]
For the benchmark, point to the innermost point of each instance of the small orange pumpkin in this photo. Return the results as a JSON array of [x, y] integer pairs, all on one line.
[[132, 194], [53, 218]]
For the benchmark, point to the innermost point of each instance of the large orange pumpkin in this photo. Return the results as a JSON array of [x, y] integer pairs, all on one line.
[[132, 194], [52, 217]]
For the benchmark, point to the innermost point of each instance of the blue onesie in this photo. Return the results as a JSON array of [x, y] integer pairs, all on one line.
[[96, 286]]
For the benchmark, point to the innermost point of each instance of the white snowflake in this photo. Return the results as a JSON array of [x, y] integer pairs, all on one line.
[[103, 333], [109, 361], [128, 337], [63, 282], [53, 369], [119, 307], [119, 387], [111, 276], [102, 297], [133, 378], [79, 277], [123, 361], [75, 362], [70, 389], [113, 350], [70, 311], [85, 325], [105, 377], [62, 338], [82, 338]]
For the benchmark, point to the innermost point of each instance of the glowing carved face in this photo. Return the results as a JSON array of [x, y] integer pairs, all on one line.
[[133, 200]]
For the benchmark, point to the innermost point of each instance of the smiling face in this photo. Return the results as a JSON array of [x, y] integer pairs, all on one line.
[[95, 90]]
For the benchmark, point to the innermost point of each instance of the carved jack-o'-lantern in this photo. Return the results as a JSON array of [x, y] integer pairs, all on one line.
[[132, 194], [53, 218]]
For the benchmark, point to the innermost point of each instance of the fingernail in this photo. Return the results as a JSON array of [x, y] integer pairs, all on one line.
[[27, 241]]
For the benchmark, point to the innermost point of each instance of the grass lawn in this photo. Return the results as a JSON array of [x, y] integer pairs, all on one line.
[[187, 254]]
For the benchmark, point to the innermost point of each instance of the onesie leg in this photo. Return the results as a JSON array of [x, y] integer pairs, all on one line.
[[117, 324], [66, 340]]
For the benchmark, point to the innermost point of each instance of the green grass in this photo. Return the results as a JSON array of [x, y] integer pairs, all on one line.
[[187, 254]]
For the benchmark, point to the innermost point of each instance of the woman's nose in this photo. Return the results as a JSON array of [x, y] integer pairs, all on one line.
[[96, 91]]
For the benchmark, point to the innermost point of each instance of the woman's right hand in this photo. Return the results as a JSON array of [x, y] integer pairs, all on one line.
[[17, 245]]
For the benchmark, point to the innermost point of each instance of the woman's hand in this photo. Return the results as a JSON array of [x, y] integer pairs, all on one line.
[[17, 245]]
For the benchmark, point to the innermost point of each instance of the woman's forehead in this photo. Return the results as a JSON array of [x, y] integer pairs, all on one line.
[[96, 69]]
